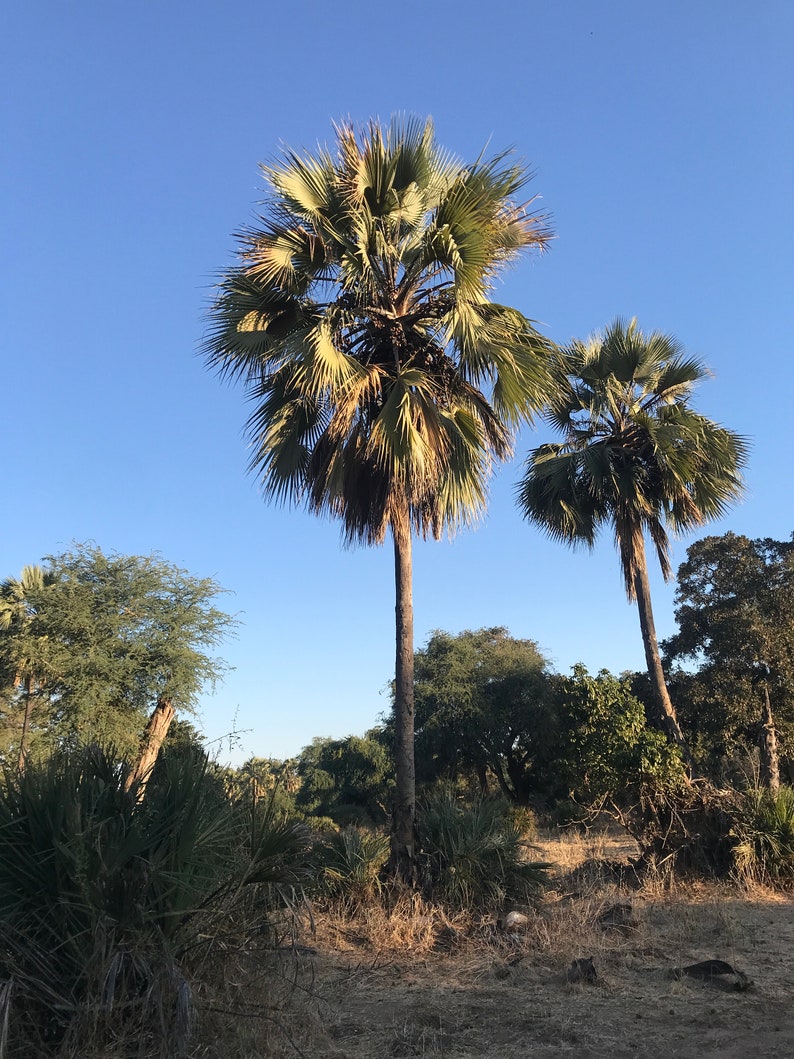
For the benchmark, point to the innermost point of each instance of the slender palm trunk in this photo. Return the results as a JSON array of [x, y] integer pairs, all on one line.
[[403, 863], [664, 706], [770, 763], [153, 738], [23, 739]]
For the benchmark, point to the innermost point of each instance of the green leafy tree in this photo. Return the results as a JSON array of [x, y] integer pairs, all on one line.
[[735, 615], [635, 457], [119, 638], [348, 780], [606, 751], [484, 704], [384, 380]]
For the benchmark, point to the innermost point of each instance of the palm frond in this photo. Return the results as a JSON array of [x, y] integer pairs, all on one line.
[[358, 321]]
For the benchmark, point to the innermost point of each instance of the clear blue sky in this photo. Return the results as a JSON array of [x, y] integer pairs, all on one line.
[[662, 139]]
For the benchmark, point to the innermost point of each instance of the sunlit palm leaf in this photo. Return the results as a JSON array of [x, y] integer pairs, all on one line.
[[359, 317]]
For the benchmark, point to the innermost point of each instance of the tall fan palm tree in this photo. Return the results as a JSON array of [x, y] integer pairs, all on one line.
[[384, 381], [20, 643], [636, 457]]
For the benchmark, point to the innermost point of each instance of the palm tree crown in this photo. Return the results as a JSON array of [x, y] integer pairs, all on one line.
[[635, 455], [359, 319]]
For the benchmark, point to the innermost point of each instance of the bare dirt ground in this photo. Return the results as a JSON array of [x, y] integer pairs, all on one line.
[[414, 985]]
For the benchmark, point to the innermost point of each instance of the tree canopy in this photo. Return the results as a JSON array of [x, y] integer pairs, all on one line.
[[483, 705], [734, 607], [489, 705], [108, 636]]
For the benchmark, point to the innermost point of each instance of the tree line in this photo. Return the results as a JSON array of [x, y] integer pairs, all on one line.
[[493, 717], [91, 644]]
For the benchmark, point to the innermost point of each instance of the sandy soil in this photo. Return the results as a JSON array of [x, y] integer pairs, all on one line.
[[480, 991]]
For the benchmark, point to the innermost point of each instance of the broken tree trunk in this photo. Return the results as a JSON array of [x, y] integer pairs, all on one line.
[[153, 738], [770, 761]]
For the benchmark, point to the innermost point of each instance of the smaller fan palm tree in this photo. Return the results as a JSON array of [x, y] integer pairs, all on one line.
[[634, 456]]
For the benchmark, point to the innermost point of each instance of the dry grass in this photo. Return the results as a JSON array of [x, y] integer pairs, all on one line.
[[411, 981]]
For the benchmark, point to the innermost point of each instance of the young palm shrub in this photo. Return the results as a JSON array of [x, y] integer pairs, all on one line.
[[351, 863], [105, 902], [764, 830], [476, 853]]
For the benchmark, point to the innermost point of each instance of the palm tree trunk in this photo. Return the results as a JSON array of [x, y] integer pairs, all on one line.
[[665, 708], [402, 862], [23, 739], [153, 738], [770, 762]]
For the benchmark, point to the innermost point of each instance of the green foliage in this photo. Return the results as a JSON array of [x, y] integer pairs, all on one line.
[[483, 702], [22, 672], [606, 749], [764, 833], [351, 862], [735, 615], [486, 705], [635, 456], [274, 780], [359, 319], [104, 898], [477, 852], [107, 636], [348, 780]]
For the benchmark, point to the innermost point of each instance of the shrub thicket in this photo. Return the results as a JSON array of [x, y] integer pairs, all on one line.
[[107, 902], [350, 863], [764, 832], [477, 852]]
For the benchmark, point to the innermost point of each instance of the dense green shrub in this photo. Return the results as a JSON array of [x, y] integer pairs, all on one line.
[[606, 749], [351, 862], [476, 852], [105, 900], [764, 832]]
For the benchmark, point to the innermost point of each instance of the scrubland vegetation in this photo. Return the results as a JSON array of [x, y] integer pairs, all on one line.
[[515, 861], [199, 923]]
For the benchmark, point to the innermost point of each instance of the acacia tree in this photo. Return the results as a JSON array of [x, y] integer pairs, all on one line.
[[636, 457], [120, 638], [385, 382], [735, 615]]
